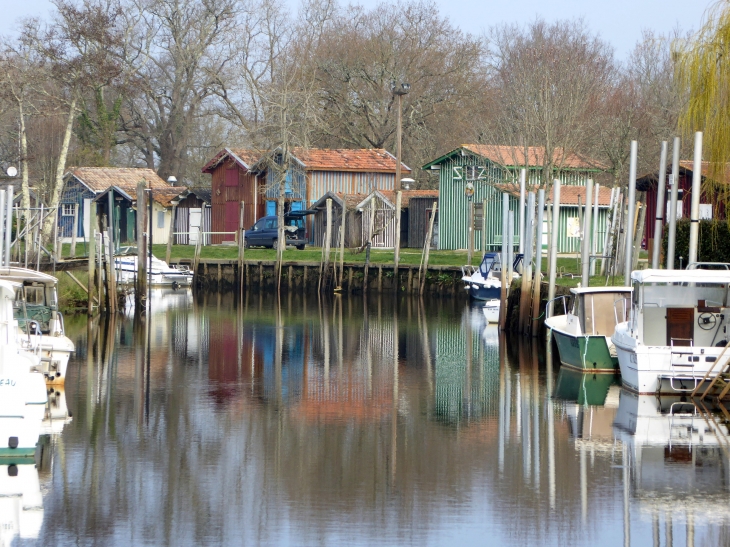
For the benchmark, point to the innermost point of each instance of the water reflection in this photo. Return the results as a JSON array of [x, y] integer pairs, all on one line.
[[351, 421]]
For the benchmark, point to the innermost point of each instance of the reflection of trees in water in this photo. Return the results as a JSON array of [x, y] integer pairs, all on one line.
[[268, 423]]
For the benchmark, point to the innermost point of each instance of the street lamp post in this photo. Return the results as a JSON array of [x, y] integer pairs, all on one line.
[[399, 92]]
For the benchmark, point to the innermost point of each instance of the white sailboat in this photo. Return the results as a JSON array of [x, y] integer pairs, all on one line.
[[677, 330]]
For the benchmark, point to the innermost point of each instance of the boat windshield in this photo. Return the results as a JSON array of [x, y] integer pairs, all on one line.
[[488, 263], [663, 295], [33, 296]]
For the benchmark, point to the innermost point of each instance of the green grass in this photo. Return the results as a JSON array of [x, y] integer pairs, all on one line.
[[71, 297]]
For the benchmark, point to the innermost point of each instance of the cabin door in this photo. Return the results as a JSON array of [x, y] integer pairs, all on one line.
[[680, 326], [195, 218]]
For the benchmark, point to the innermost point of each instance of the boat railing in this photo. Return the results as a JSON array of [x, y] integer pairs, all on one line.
[[549, 307], [624, 315], [32, 342]]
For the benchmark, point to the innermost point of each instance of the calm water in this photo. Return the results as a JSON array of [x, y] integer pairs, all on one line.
[[345, 422]]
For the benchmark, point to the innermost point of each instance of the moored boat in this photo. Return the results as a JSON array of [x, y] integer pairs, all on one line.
[[583, 331], [491, 310], [485, 282], [23, 395], [160, 273], [676, 331], [35, 309]]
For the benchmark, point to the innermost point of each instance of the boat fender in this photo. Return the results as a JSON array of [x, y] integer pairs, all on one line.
[[13, 442], [12, 470]]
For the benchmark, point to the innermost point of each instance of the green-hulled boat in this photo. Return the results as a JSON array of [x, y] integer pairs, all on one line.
[[583, 334]]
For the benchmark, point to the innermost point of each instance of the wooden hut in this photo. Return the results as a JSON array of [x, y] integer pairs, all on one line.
[[192, 212], [233, 181], [82, 185], [353, 225], [710, 206], [419, 216], [478, 168]]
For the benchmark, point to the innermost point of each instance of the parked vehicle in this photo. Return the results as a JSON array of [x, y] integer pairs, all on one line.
[[265, 232]]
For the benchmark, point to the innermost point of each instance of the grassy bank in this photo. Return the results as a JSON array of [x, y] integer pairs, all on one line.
[[71, 297]]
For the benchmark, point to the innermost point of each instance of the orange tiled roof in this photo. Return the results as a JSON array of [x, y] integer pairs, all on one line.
[[99, 179], [515, 156], [361, 159], [568, 194]]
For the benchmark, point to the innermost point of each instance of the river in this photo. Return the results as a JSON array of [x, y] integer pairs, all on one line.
[[346, 421]]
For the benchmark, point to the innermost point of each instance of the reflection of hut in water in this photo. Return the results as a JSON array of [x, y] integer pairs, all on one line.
[[466, 370]]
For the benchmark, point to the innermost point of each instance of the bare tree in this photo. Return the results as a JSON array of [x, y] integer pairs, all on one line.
[[549, 78]]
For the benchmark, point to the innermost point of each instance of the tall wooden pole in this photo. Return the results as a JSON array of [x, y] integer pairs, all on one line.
[[141, 280], [526, 288], [629, 229], [672, 234], [585, 255], [694, 226], [241, 246], [324, 272], [594, 238], [504, 259], [396, 250], [553, 249], [661, 206], [484, 227], [91, 236], [427, 248], [536, 284], [343, 226], [523, 182], [470, 233]]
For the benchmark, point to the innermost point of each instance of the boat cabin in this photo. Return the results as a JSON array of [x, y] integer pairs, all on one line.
[[597, 310], [680, 307], [35, 299]]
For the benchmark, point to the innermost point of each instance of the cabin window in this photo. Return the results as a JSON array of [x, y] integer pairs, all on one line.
[[67, 209], [160, 219]]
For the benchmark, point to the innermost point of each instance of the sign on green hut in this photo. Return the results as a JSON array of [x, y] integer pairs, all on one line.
[[480, 174]]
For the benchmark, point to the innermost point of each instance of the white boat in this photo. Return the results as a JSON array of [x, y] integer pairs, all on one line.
[[583, 331], [485, 282], [21, 503], [676, 331], [491, 310], [159, 272], [41, 324], [23, 395]]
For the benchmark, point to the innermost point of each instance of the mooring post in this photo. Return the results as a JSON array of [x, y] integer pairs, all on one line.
[[92, 256], [504, 260], [396, 243], [594, 230], [672, 234], [171, 233], [241, 245], [629, 229], [585, 255], [427, 249], [538, 264], [694, 226], [661, 206], [526, 288], [553, 248], [141, 280]]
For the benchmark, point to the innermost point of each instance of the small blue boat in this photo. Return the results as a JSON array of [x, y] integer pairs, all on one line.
[[485, 282]]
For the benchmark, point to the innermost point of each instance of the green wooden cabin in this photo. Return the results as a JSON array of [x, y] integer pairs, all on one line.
[[485, 168]]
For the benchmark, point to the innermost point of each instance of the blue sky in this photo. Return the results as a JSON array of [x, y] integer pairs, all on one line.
[[620, 22]]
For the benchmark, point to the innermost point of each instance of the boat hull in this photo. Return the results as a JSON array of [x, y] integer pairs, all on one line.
[[491, 311], [585, 353], [482, 292]]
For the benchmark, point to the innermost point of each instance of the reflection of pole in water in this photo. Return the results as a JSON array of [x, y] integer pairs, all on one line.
[[536, 412], [690, 529], [525, 414], [655, 527], [502, 398], [426, 345], [583, 485], [668, 532], [550, 422], [627, 517], [394, 418], [324, 321]]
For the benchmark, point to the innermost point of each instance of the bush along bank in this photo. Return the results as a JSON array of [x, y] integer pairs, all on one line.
[[713, 243]]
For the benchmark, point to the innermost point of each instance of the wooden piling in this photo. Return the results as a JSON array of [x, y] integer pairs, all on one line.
[[140, 293], [536, 284], [525, 289], [503, 259], [92, 255], [241, 246], [427, 249], [553, 248], [396, 246]]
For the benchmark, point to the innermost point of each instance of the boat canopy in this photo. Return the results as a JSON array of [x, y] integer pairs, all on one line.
[[488, 263], [681, 276], [26, 276], [593, 290]]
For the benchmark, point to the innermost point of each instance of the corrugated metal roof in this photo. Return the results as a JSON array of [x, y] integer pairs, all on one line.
[[99, 179]]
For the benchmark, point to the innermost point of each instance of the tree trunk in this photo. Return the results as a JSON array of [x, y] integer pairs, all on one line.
[[60, 166]]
